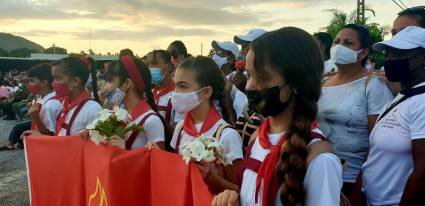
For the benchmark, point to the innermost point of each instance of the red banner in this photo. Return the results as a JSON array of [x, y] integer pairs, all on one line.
[[69, 171]]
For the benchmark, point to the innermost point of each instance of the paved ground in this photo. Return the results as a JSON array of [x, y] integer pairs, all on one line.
[[13, 177]]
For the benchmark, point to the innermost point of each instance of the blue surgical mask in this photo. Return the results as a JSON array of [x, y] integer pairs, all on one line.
[[220, 61], [157, 76]]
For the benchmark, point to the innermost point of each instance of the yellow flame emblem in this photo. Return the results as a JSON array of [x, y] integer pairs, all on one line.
[[100, 192]]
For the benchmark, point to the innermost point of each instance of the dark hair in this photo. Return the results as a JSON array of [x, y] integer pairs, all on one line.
[[177, 48], [163, 54], [93, 74], [75, 67], [117, 69], [363, 36], [327, 41], [124, 52], [417, 12], [207, 73], [42, 72], [296, 56]]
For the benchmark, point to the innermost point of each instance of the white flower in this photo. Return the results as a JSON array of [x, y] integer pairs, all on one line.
[[104, 115], [92, 125], [209, 157], [95, 136], [122, 114]]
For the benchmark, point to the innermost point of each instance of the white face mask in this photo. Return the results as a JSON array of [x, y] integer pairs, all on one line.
[[343, 55], [220, 61], [185, 102]]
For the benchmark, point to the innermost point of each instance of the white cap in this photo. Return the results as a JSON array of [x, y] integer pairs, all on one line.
[[226, 45], [251, 36], [410, 37]]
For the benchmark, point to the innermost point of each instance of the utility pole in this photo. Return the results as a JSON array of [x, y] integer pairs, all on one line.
[[54, 49], [361, 11], [90, 38]]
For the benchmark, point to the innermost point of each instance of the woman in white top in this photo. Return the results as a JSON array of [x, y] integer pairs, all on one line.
[[351, 101], [280, 167], [394, 173], [128, 81], [199, 83]]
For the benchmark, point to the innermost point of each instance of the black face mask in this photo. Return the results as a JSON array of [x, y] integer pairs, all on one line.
[[397, 70], [267, 102]]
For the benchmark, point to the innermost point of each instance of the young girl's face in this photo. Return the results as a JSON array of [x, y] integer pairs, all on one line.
[[185, 81], [60, 76]]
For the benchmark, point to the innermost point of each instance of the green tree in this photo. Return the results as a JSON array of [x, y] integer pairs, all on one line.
[[22, 52], [211, 53], [376, 32], [3, 53], [55, 50]]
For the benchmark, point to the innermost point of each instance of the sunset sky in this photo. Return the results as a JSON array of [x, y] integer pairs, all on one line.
[[144, 25]]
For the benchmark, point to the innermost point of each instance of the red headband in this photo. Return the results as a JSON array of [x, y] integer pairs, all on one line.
[[85, 60], [133, 72]]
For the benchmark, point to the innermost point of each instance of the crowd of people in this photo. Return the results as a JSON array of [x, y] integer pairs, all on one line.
[[307, 118]]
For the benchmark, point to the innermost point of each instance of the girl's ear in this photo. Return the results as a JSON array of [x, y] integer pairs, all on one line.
[[206, 93], [76, 82], [126, 85], [44, 83]]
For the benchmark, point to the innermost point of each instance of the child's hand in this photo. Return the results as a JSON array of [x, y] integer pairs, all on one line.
[[117, 141], [152, 145], [84, 134], [226, 198], [30, 133], [34, 110]]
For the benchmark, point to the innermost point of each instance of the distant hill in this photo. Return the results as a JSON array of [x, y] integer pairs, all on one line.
[[11, 42]]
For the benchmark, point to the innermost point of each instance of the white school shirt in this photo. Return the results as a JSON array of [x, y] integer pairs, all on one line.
[[322, 182], [163, 102], [153, 130], [343, 118], [390, 162], [230, 138], [88, 113], [50, 109]]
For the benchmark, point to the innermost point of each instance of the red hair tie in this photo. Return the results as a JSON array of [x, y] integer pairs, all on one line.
[[133, 72], [85, 60]]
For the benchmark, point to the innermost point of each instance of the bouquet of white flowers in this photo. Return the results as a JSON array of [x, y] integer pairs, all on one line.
[[111, 124], [205, 148]]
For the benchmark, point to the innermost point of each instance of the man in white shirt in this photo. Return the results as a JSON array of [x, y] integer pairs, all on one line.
[[394, 173]]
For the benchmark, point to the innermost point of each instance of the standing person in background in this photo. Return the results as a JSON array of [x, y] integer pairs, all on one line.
[[351, 101], [414, 16], [225, 57], [178, 52], [161, 68], [249, 120], [125, 52], [325, 43], [244, 41]]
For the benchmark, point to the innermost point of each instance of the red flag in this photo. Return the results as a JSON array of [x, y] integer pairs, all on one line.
[[69, 171]]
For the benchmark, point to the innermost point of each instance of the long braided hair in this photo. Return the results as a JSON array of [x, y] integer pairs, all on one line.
[[297, 57]]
